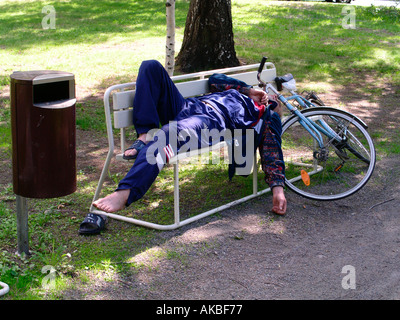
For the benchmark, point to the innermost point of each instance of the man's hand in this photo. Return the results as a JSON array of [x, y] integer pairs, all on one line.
[[278, 201], [261, 97], [258, 96]]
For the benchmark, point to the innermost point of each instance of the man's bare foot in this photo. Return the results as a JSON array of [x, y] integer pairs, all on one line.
[[279, 203], [133, 152], [113, 202]]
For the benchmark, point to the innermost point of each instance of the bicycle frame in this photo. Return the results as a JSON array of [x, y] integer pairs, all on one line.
[[326, 136], [312, 127]]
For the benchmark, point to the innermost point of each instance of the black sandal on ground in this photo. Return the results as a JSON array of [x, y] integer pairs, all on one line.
[[137, 145], [93, 224]]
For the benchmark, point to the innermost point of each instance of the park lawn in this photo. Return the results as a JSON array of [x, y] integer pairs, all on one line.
[[103, 43]]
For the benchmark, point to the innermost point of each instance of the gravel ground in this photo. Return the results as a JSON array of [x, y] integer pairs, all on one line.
[[247, 253]]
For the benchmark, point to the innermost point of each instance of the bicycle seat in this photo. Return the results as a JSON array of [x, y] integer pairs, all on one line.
[[279, 80]]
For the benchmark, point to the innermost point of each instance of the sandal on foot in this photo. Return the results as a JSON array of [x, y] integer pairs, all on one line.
[[93, 224], [137, 145]]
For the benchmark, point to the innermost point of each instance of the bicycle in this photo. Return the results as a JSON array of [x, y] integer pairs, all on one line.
[[328, 152]]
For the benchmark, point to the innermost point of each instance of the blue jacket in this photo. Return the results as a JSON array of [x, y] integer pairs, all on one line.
[[226, 94]]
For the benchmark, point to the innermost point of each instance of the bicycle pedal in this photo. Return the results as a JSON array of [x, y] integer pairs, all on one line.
[[340, 166]]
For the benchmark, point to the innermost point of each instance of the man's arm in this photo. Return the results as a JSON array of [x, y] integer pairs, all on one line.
[[259, 96], [219, 82]]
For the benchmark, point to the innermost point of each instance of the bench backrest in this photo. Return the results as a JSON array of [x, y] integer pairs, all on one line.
[[191, 86]]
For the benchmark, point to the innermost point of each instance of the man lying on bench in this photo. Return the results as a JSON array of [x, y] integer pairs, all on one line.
[[231, 105]]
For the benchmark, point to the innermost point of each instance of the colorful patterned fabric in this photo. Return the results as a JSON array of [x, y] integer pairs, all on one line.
[[272, 158], [270, 150]]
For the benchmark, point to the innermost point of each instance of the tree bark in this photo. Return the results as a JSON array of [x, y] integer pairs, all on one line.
[[208, 39], [170, 41]]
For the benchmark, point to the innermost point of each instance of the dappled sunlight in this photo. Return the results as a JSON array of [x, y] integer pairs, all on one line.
[[149, 257], [248, 224], [166, 264], [320, 87], [364, 108], [75, 20], [80, 177], [94, 41], [379, 58], [155, 204], [200, 240], [87, 187]]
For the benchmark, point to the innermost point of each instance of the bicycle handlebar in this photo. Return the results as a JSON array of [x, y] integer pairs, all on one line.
[[260, 68], [262, 63]]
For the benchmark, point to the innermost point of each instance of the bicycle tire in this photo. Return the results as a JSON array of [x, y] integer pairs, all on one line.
[[335, 171], [357, 153]]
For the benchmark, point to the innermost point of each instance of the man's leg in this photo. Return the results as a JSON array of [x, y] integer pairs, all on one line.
[[188, 132], [148, 164], [157, 100], [135, 183]]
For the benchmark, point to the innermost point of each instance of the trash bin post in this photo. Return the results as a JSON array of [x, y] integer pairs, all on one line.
[[22, 226]]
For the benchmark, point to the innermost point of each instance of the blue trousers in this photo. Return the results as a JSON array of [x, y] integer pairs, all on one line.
[[158, 102]]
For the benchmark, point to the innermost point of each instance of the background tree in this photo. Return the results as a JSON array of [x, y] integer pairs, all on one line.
[[208, 39], [170, 41]]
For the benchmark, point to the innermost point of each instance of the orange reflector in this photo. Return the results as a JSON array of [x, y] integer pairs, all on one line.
[[305, 177]]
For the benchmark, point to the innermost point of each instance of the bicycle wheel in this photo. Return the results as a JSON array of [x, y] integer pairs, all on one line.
[[340, 167]]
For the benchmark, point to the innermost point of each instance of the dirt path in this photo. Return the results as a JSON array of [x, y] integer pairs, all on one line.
[[249, 254]]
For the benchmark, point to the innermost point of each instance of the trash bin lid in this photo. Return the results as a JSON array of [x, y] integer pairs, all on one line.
[[41, 76]]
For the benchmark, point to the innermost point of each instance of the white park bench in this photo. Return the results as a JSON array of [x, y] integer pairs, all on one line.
[[189, 85]]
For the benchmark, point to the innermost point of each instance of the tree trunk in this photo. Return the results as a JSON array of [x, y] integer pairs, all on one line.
[[170, 42], [208, 38]]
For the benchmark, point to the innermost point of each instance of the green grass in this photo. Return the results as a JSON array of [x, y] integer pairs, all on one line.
[[103, 43], [310, 42]]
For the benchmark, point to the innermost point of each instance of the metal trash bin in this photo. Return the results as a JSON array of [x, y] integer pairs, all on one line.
[[43, 133], [43, 140]]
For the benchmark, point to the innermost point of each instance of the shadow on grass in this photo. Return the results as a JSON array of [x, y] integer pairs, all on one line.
[[85, 22]]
